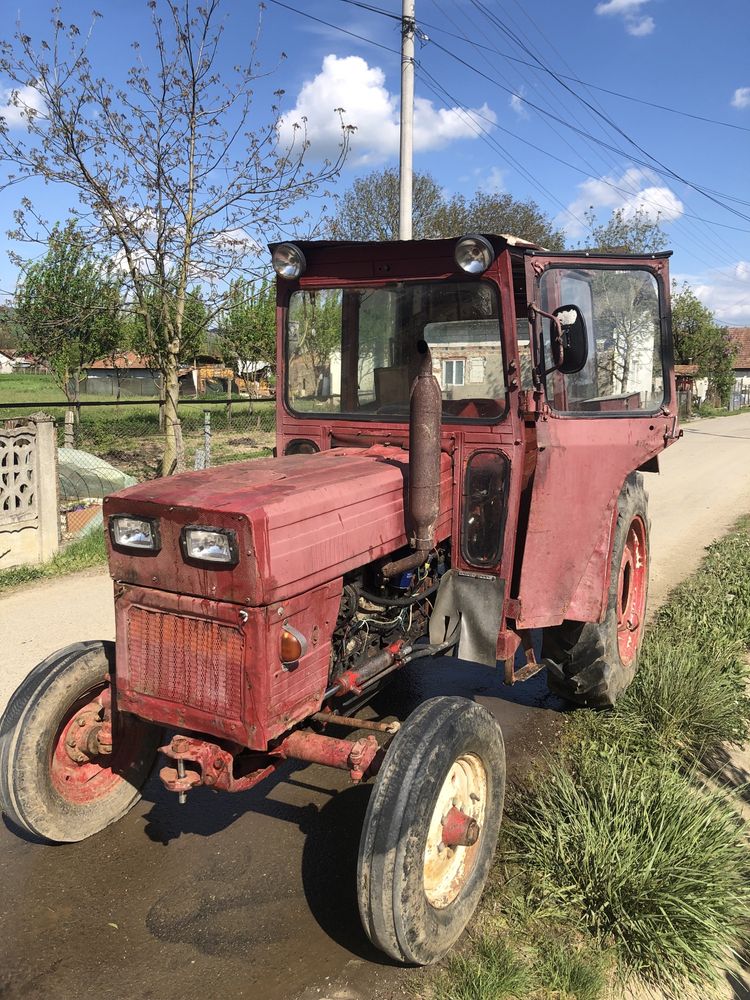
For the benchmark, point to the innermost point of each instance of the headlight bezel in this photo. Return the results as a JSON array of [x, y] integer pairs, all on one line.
[[130, 548], [232, 545], [482, 244], [288, 271]]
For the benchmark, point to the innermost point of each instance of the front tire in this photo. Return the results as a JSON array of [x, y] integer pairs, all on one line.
[[416, 893], [593, 663], [70, 764]]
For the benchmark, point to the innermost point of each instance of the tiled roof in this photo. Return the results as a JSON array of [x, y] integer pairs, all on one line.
[[127, 359], [741, 336]]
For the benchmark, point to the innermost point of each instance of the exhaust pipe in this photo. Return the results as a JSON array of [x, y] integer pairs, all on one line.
[[425, 409]]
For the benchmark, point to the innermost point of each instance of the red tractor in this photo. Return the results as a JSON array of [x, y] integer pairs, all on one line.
[[461, 427]]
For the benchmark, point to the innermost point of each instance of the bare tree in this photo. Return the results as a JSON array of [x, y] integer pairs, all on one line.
[[173, 176]]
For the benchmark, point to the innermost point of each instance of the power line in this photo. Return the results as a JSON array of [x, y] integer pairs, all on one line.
[[566, 76]]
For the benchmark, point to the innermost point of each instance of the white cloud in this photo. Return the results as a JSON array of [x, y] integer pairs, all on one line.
[[494, 181], [517, 104], [741, 98], [636, 23], [17, 105], [635, 190], [639, 26], [620, 6], [350, 83], [726, 292]]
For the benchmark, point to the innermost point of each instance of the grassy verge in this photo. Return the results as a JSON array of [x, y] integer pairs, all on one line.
[[624, 858], [81, 554]]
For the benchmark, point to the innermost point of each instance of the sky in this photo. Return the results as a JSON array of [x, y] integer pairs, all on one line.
[[510, 97]]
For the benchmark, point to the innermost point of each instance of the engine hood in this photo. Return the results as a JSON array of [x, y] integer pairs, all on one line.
[[300, 521]]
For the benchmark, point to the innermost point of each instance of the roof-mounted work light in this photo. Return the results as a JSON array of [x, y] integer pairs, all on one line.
[[288, 261], [474, 254]]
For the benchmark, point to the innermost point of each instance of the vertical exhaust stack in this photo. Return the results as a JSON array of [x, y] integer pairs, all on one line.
[[425, 409]]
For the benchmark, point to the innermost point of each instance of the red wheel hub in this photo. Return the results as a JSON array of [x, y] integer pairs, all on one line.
[[92, 749], [631, 591]]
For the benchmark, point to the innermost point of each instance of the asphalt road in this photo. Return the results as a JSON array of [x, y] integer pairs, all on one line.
[[252, 895]]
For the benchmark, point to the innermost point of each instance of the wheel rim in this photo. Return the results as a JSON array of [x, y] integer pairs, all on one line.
[[448, 868], [631, 591], [93, 748]]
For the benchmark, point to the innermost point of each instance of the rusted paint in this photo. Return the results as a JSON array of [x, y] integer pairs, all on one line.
[[357, 758], [459, 830]]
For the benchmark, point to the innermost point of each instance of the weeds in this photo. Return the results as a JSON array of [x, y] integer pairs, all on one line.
[[646, 857], [81, 554], [492, 971]]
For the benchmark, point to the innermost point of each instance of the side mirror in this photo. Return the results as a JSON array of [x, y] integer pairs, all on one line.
[[575, 343]]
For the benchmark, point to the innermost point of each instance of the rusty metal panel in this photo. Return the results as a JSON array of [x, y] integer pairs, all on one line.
[[192, 661], [214, 668], [300, 522], [580, 470]]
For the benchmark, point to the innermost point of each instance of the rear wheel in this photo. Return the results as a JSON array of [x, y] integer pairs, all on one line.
[[70, 764], [431, 828], [593, 663]]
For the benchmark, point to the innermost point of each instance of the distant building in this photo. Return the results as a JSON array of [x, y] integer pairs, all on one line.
[[130, 374], [741, 393]]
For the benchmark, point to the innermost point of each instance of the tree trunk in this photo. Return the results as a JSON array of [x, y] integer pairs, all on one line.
[[174, 454]]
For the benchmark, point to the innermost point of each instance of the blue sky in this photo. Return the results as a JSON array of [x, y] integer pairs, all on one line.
[[476, 121]]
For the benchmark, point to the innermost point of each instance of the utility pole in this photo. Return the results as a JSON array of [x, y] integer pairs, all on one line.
[[407, 120]]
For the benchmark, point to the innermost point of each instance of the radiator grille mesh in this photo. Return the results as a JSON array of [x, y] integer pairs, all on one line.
[[191, 661]]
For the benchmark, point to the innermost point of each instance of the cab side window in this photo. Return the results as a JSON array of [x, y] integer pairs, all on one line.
[[623, 369]]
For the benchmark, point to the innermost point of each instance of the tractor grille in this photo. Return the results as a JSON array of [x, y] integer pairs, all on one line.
[[191, 661]]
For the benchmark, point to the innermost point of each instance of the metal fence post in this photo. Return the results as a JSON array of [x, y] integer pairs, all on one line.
[[206, 439]]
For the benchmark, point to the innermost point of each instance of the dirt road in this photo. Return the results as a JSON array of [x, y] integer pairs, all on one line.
[[253, 895]]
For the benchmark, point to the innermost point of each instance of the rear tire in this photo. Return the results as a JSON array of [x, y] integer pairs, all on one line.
[[57, 779], [416, 894], [593, 663]]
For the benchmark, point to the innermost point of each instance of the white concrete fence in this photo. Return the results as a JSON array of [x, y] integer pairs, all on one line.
[[29, 522]]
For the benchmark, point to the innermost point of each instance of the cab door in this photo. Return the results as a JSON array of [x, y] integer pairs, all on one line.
[[594, 425]]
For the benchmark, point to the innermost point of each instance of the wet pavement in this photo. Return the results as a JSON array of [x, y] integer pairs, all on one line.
[[249, 895]]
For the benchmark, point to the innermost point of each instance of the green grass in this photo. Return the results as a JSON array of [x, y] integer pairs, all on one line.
[[492, 970], [83, 553], [623, 854], [127, 435], [645, 856]]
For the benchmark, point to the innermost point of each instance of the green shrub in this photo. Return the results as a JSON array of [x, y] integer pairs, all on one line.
[[689, 697], [644, 856]]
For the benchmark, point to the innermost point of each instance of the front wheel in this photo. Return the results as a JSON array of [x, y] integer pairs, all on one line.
[[70, 764], [431, 828], [593, 663]]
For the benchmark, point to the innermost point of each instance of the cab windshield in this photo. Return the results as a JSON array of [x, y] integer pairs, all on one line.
[[354, 350]]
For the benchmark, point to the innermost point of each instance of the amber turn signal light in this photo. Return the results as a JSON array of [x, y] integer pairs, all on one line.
[[293, 645]]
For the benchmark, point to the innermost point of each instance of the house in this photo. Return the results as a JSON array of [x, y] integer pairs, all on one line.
[[741, 394], [741, 337], [7, 361]]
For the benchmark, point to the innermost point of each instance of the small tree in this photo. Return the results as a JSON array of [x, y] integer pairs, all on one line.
[[369, 211], [699, 340], [173, 175], [625, 232], [69, 308], [247, 327]]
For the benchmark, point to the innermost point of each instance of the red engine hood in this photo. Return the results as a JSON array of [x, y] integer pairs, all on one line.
[[300, 521]]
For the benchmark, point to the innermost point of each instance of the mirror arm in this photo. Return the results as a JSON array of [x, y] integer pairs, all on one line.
[[558, 345]]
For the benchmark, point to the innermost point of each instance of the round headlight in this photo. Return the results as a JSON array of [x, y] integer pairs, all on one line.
[[288, 261], [474, 254]]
